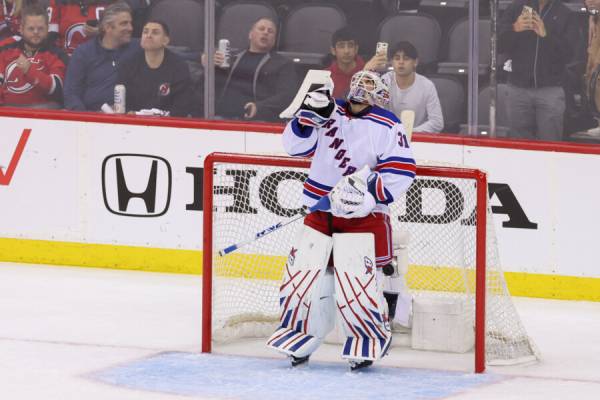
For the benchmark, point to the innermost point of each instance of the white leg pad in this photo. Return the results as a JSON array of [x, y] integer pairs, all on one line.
[[396, 283], [306, 296], [359, 298]]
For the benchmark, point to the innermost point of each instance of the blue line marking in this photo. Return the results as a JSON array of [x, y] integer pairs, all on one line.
[[249, 378]]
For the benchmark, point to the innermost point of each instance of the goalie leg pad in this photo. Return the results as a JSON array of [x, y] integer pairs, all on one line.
[[360, 302], [306, 301], [395, 285]]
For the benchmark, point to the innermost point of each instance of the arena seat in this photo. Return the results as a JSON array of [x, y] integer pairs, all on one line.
[[422, 30], [453, 100], [458, 48], [306, 32], [483, 111], [185, 19]]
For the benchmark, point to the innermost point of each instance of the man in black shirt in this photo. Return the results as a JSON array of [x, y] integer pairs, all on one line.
[[156, 78], [539, 37], [260, 83]]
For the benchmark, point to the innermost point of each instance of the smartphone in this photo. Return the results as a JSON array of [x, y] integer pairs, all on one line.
[[527, 10], [382, 48]]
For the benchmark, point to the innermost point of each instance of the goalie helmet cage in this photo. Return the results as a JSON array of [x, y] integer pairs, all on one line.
[[452, 252]]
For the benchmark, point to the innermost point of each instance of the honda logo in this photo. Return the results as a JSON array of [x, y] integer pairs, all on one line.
[[136, 185]]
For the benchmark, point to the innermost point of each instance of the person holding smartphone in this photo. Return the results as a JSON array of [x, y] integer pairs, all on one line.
[[539, 37], [344, 60], [412, 91]]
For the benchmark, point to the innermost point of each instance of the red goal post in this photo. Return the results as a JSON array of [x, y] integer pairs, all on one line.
[[215, 229]]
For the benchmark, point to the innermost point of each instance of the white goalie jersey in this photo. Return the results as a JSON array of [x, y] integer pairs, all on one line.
[[374, 137]]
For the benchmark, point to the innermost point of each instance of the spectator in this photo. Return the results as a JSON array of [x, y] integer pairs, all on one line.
[[260, 83], [346, 61], [75, 22], [92, 71], [10, 20], [593, 63], [31, 71], [156, 78], [539, 41], [412, 91]]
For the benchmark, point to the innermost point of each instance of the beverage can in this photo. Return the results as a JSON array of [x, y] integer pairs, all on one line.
[[119, 100], [225, 50]]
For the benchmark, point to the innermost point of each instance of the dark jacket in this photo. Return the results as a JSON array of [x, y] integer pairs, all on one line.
[[274, 84], [536, 61], [92, 74], [168, 87]]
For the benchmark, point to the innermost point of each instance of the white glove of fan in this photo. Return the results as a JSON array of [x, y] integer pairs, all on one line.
[[153, 112], [350, 198]]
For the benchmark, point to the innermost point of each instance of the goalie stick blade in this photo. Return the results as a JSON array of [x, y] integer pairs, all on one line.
[[312, 81], [407, 117]]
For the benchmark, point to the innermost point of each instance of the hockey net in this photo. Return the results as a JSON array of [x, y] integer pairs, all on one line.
[[449, 257]]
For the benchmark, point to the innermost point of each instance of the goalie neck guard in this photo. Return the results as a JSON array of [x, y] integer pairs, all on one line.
[[366, 87]]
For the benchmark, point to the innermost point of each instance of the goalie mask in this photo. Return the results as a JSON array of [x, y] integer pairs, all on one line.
[[366, 87]]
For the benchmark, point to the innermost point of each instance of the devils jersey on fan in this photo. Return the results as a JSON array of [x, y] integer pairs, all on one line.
[[68, 18], [9, 23], [43, 81]]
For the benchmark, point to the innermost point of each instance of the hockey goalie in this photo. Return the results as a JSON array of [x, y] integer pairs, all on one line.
[[341, 261]]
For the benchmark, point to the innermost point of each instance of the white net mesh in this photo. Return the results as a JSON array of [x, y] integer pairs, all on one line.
[[439, 213]]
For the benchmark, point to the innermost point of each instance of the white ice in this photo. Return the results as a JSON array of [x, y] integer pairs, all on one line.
[[61, 326]]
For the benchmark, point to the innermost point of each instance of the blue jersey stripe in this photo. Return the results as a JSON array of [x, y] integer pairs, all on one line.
[[398, 159], [378, 121], [307, 152], [301, 130], [311, 195], [319, 185]]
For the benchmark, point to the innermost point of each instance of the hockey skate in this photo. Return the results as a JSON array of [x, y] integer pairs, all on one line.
[[355, 365], [299, 361]]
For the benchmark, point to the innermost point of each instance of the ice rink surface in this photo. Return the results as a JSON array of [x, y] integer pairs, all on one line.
[[80, 333]]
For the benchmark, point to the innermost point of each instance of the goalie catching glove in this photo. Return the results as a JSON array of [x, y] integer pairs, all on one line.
[[317, 107], [350, 198]]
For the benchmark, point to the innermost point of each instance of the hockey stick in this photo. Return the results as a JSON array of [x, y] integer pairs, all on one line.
[[322, 205], [407, 117]]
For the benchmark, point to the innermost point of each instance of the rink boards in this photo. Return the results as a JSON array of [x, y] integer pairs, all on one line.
[[62, 185]]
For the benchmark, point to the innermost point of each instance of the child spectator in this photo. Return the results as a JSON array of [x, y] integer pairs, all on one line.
[[346, 61], [412, 91]]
